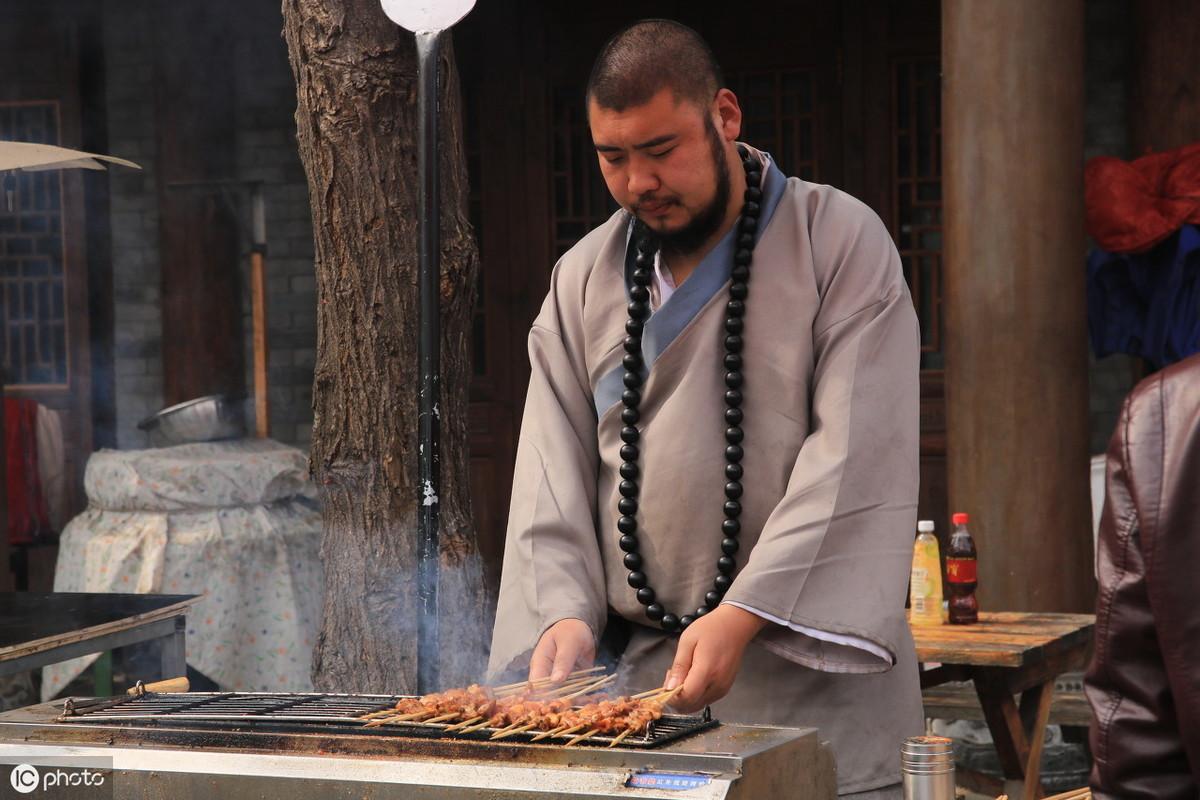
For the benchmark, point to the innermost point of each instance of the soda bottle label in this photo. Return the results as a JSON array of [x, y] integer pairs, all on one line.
[[961, 570]]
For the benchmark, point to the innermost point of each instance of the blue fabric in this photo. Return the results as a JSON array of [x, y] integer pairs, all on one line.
[[1145, 304], [710, 275]]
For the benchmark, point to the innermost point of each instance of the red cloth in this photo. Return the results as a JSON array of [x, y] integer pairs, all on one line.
[[27, 516], [1134, 205]]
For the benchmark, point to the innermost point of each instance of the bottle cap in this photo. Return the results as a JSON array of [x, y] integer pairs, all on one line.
[[925, 526], [961, 519]]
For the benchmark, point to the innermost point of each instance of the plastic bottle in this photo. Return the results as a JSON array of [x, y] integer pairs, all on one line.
[[925, 587], [962, 574]]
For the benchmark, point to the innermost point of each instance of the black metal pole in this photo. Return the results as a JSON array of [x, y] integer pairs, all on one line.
[[429, 357]]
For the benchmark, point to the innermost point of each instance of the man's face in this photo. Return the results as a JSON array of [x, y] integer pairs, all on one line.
[[664, 161]]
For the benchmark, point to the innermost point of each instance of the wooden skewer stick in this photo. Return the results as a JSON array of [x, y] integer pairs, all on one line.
[[443, 717], [620, 737], [1082, 793], [569, 731], [602, 682], [640, 695], [464, 724], [545, 734], [474, 728], [582, 736], [514, 731], [538, 681]]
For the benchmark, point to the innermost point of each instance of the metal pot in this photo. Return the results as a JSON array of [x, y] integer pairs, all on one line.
[[205, 419]]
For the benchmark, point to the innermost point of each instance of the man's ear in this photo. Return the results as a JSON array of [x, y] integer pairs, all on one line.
[[727, 115]]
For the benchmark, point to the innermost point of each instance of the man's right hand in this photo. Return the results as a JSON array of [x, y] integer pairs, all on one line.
[[565, 646]]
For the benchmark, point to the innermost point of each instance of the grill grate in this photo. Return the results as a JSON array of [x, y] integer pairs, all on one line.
[[284, 711]]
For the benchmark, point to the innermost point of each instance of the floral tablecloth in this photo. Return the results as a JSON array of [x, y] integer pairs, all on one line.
[[235, 521]]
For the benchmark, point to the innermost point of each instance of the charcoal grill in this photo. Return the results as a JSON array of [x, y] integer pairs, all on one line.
[[308, 746]]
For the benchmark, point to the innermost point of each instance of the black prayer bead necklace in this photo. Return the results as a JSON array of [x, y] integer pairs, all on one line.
[[735, 310]]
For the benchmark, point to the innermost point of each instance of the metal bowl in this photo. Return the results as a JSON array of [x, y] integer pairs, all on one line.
[[205, 419]]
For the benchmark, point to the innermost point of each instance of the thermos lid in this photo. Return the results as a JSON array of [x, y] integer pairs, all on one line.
[[927, 755]]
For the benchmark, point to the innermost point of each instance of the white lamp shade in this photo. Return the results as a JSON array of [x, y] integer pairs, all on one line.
[[426, 15]]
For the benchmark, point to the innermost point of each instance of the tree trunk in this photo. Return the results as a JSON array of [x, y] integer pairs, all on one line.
[[356, 125]]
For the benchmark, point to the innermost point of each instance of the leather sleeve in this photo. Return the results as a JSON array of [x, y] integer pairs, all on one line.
[[1135, 742]]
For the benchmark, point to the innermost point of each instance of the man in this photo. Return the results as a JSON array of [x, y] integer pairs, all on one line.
[[1143, 683], [719, 449]]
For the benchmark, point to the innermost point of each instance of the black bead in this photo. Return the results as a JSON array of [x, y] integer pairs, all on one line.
[[722, 583], [639, 294], [748, 225], [701, 611], [637, 579], [725, 564], [628, 543], [638, 311], [627, 506], [753, 193], [733, 416], [735, 308], [733, 509], [629, 452], [733, 361], [633, 345], [733, 490], [628, 488], [750, 209], [669, 622], [641, 277], [632, 362], [629, 434], [655, 611], [733, 343], [740, 273], [731, 528], [712, 598], [629, 470], [734, 434], [742, 257], [729, 545], [733, 398], [733, 379], [734, 472], [632, 380], [633, 561], [645, 260], [634, 328], [753, 177], [738, 290], [631, 397], [746, 240], [645, 596], [734, 325], [627, 524], [734, 453], [685, 620], [630, 416]]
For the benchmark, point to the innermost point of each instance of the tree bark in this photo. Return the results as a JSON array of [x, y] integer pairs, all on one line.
[[356, 121]]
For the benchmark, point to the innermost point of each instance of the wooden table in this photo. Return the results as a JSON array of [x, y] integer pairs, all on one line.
[[37, 628], [1005, 654]]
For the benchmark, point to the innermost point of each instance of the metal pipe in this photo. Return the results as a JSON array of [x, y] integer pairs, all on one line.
[[429, 359]]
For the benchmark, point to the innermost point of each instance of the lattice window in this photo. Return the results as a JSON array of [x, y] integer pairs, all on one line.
[[33, 317], [917, 192], [779, 116], [580, 199]]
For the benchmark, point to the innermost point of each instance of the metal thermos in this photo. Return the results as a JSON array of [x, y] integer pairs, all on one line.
[[927, 767]]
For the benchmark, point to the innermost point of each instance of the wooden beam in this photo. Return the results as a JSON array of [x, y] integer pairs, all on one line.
[[1016, 350]]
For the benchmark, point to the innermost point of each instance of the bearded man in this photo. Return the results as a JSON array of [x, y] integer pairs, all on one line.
[[718, 458]]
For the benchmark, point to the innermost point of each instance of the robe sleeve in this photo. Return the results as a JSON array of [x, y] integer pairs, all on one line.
[[552, 567], [834, 555]]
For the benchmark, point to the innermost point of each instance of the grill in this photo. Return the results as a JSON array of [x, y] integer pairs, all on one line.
[[254, 746], [283, 712]]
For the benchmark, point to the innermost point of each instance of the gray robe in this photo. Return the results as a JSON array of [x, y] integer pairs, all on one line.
[[831, 470]]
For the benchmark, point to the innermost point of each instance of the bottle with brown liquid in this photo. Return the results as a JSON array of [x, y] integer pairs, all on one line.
[[961, 574]]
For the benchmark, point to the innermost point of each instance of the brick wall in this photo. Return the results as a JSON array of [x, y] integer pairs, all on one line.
[[264, 105], [1109, 82]]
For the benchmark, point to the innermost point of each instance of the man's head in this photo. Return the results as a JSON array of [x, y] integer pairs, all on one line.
[[664, 128]]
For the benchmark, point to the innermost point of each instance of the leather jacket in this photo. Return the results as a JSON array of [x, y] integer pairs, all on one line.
[[1144, 680]]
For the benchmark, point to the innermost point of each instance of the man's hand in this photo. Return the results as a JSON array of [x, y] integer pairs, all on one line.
[[566, 645], [709, 655]]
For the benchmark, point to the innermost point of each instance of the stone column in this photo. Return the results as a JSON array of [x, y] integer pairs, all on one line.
[[1016, 358]]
